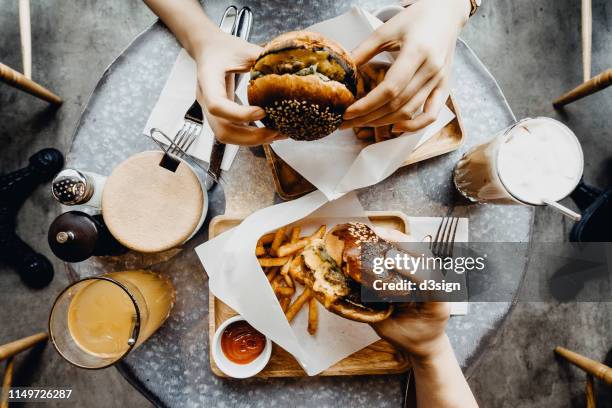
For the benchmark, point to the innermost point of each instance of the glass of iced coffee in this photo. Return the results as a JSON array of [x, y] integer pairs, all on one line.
[[97, 321], [536, 161]]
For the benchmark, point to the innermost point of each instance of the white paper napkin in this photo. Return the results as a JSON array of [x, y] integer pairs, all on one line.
[[175, 99], [339, 163]]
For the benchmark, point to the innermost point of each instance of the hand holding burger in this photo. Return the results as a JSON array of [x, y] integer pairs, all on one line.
[[424, 34]]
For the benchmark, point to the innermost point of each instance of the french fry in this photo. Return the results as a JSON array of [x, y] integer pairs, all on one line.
[[295, 234], [284, 291], [364, 133], [285, 302], [266, 239], [318, 233], [295, 270], [291, 248], [260, 251], [295, 307], [382, 133], [313, 316], [265, 262], [279, 237], [272, 274], [276, 281], [380, 76]]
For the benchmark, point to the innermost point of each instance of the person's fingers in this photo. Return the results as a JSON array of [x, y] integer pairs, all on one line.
[[233, 133], [431, 110], [214, 94], [397, 78], [407, 111], [368, 48], [399, 108]]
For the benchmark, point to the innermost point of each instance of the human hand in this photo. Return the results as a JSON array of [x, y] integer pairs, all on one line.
[[417, 328], [425, 35], [218, 58]]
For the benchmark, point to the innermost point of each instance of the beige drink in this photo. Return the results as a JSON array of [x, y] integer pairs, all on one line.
[[533, 162], [97, 321]]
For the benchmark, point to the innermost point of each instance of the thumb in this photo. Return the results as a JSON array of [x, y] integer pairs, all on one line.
[[371, 46]]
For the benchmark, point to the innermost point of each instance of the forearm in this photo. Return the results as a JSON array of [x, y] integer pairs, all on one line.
[[439, 380], [187, 20]]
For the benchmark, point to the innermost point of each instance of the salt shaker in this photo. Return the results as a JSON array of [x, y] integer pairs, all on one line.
[[76, 187]]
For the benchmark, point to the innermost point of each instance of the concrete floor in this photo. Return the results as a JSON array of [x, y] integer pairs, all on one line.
[[532, 47]]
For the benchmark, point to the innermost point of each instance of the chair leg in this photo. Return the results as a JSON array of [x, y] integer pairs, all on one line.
[[7, 381], [17, 346], [595, 368], [587, 35], [25, 32], [595, 84], [589, 392], [20, 81]]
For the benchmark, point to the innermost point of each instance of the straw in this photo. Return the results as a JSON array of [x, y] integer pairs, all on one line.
[[562, 209]]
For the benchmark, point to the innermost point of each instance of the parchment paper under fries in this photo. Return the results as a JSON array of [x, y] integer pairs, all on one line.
[[341, 162]]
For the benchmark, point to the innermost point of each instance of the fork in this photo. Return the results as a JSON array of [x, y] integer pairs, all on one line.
[[442, 244], [192, 127]]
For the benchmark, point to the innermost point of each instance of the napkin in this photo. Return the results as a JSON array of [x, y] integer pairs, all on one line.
[[176, 97], [236, 278], [340, 162]]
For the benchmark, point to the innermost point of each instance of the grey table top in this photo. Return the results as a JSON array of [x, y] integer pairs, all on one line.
[[172, 367]]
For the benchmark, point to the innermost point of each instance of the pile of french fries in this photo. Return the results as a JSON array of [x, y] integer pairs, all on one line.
[[372, 75], [279, 255]]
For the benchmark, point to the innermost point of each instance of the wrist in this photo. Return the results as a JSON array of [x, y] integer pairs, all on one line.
[[428, 354], [460, 9], [201, 39]]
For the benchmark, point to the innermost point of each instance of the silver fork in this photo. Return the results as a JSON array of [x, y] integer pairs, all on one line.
[[192, 127], [443, 243]]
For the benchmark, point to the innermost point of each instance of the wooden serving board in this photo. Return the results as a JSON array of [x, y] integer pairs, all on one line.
[[378, 358], [290, 184]]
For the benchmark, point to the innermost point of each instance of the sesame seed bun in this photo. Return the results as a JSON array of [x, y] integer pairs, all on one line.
[[304, 82]]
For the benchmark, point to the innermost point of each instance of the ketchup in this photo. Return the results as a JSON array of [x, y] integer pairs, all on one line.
[[241, 343]]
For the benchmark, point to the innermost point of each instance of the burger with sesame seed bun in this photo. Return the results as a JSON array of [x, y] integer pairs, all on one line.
[[332, 269], [304, 82]]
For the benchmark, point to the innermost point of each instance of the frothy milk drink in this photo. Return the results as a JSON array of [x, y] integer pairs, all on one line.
[[533, 161]]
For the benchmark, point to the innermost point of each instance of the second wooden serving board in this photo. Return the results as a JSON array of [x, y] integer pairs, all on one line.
[[378, 358]]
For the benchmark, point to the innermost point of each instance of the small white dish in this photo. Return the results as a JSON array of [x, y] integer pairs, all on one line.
[[238, 370]]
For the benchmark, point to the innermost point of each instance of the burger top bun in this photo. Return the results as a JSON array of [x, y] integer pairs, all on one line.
[[304, 82]]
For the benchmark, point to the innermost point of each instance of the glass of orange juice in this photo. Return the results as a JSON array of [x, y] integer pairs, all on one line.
[[97, 321]]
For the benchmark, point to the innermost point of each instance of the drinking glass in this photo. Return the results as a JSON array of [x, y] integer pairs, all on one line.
[[97, 321], [545, 167]]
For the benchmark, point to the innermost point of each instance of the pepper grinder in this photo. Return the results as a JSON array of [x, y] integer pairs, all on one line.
[[75, 236], [34, 268], [76, 187]]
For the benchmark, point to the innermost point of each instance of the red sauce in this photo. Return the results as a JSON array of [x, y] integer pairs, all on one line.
[[241, 343]]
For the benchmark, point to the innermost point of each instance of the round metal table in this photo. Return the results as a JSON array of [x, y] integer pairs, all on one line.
[[172, 367]]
